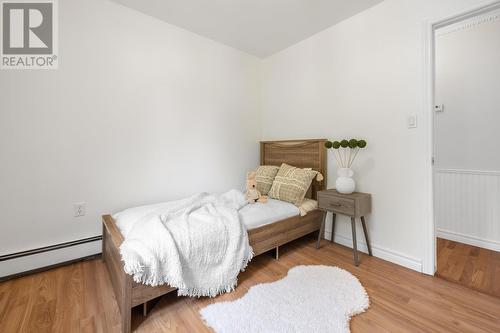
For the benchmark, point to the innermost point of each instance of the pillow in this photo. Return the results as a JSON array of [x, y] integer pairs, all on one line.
[[307, 205], [265, 176], [291, 183]]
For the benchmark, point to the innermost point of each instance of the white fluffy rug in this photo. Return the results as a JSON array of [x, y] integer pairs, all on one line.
[[309, 299]]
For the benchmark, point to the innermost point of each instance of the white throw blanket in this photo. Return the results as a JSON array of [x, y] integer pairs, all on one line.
[[198, 244]]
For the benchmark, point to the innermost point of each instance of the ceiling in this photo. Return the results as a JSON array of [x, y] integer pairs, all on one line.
[[258, 27]]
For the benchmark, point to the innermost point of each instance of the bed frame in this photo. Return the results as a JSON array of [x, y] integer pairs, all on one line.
[[300, 153]]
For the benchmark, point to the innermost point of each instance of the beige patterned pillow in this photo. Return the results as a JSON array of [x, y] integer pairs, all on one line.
[[265, 177], [291, 183]]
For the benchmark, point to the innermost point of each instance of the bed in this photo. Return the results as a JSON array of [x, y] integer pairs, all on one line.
[[265, 234]]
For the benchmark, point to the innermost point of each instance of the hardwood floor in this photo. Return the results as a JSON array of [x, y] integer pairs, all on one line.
[[78, 298], [471, 266]]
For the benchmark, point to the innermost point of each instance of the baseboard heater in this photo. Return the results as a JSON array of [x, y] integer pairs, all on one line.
[[51, 248]]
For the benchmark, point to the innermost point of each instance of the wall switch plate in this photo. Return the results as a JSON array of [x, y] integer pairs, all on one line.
[[79, 209], [412, 121]]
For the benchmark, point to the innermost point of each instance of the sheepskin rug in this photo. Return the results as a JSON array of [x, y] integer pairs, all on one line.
[[309, 299]]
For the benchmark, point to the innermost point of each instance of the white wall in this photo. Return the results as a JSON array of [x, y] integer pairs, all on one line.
[[138, 112], [362, 78], [467, 165], [467, 83]]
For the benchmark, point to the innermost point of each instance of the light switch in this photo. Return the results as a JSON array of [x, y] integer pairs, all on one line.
[[412, 121]]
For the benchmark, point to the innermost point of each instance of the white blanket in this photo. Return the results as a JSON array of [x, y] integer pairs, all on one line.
[[198, 244]]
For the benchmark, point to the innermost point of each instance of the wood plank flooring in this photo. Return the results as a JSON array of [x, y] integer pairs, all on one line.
[[471, 266], [79, 298]]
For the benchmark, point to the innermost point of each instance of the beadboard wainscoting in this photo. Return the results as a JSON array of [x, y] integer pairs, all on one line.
[[467, 206]]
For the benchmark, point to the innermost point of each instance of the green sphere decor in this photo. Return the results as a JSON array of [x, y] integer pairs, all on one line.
[[345, 151], [353, 143]]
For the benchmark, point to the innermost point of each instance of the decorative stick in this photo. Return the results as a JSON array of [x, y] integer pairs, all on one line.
[[337, 156], [354, 157]]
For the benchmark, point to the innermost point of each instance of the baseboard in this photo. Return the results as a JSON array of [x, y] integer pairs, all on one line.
[[380, 252], [470, 240], [44, 258], [36, 260], [46, 268]]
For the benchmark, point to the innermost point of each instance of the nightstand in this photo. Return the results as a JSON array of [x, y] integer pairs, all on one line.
[[355, 205]]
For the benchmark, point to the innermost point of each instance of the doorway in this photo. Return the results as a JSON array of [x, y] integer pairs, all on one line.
[[466, 168]]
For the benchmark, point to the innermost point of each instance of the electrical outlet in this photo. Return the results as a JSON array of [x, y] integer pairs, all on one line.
[[79, 209]]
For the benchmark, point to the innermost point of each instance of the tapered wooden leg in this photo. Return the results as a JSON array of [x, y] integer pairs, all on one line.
[[321, 230], [334, 217], [366, 236], [277, 253], [354, 241], [145, 309]]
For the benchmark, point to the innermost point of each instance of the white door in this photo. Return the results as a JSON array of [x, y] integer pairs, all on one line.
[[467, 131]]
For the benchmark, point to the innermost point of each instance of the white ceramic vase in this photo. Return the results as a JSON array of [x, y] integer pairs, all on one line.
[[344, 183]]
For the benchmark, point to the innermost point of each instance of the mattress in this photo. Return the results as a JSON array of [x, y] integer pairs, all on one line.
[[259, 214], [252, 215]]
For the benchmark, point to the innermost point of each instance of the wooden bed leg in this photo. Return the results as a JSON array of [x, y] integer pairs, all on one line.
[[149, 305], [125, 305], [277, 253], [126, 321], [121, 282]]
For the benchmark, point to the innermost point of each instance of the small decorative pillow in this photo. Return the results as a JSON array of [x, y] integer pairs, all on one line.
[[291, 183], [265, 177]]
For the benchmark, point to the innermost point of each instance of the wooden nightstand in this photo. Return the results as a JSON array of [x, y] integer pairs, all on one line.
[[355, 205]]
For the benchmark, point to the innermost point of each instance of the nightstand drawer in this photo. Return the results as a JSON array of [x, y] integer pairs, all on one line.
[[337, 204]]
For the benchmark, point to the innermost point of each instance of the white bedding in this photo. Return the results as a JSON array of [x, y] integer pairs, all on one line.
[[197, 245], [181, 242], [259, 214], [253, 216]]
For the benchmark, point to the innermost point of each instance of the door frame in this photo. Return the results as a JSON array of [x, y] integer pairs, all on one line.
[[429, 264]]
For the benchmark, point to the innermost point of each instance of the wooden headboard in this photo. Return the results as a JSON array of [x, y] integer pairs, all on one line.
[[309, 153]]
